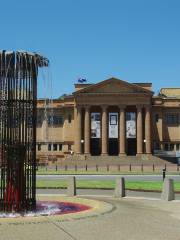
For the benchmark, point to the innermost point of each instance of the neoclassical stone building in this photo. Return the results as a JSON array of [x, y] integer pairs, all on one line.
[[112, 117]]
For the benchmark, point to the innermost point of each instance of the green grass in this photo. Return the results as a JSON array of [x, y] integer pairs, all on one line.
[[106, 184]]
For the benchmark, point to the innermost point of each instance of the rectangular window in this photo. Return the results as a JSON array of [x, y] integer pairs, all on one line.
[[60, 147], [54, 147], [69, 118], [69, 147], [172, 118], [49, 147], [55, 120], [39, 147]]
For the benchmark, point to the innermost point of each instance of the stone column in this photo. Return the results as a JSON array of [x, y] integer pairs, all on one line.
[[87, 130], [139, 130], [122, 131], [78, 130], [104, 130], [148, 129]]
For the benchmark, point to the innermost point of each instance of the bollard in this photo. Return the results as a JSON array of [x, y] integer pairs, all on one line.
[[86, 167], [168, 190], [119, 167], [164, 173], [75, 168], [56, 168], [96, 168], [153, 167], [130, 167], [107, 168], [120, 187], [71, 188]]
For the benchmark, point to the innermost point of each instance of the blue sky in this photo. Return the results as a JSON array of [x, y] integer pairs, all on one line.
[[137, 41]]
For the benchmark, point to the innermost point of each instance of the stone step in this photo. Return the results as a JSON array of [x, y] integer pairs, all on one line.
[[113, 160]]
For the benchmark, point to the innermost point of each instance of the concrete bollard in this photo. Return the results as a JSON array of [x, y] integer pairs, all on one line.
[[71, 188], [168, 190], [120, 187]]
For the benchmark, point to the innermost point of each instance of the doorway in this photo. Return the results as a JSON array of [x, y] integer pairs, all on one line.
[[95, 146], [113, 147], [131, 146]]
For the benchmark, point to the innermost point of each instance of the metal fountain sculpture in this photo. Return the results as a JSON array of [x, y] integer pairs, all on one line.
[[18, 104]]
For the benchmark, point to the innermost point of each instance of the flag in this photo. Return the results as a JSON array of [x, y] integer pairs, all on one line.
[[82, 80]]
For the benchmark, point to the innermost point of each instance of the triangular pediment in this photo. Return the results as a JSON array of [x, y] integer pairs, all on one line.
[[114, 85]]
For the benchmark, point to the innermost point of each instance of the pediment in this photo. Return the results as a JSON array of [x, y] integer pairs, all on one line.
[[114, 85]]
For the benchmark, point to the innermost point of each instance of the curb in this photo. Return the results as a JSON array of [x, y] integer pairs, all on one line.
[[129, 189]]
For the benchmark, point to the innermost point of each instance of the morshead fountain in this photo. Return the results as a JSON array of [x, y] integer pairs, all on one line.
[[18, 110]]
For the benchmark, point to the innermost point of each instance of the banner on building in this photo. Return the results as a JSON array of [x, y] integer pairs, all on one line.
[[95, 125], [113, 125], [130, 125]]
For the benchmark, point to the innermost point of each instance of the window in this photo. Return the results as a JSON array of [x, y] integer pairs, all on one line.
[[39, 147], [54, 147], [49, 147], [172, 118], [69, 147], [156, 117], [60, 147], [69, 118], [55, 120]]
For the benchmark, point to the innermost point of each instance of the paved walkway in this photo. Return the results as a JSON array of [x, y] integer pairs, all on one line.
[[131, 219]]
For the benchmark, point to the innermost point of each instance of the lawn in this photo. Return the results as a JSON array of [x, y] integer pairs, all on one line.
[[106, 184]]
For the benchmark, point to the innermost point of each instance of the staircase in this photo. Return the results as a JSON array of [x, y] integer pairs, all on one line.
[[82, 160]]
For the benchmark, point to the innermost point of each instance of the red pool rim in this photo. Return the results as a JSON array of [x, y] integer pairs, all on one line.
[[63, 206]]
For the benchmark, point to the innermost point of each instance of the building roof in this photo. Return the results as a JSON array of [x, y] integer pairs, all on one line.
[[170, 92], [117, 85]]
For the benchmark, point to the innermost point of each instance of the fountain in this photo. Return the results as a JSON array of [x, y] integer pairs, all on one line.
[[18, 99], [18, 110]]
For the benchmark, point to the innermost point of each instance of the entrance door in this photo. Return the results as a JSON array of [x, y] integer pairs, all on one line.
[[95, 146], [131, 146], [113, 146]]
